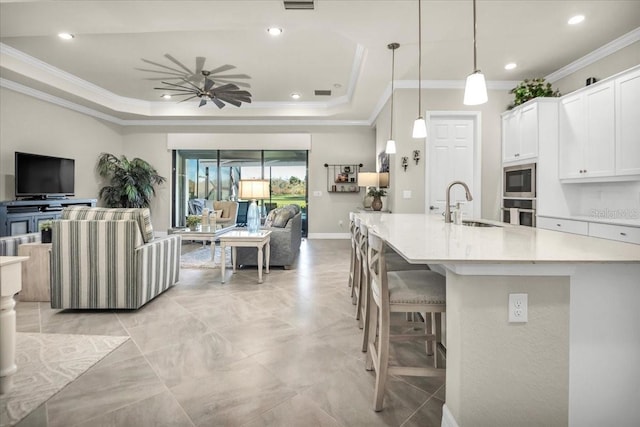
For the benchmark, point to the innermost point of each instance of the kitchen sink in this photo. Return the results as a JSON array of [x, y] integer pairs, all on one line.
[[470, 223]]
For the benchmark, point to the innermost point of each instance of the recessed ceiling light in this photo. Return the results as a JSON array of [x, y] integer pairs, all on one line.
[[274, 31], [575, 19], [510, 66], [66, 36], [166, 96], [295, 95]]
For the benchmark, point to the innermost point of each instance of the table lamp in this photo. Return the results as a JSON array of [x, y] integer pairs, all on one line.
[[366, 180], [254, 189]]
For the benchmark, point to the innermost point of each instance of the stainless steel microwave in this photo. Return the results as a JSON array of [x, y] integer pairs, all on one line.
[[520, 181]]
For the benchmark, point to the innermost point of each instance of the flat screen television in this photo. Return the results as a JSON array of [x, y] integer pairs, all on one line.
[[44, 176]]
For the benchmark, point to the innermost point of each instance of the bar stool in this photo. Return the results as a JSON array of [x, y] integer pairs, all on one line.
[[421, 291], [359, 267], [352, 228]]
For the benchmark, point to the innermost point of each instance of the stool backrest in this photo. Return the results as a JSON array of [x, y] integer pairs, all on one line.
[[363, 244], [377, 268]]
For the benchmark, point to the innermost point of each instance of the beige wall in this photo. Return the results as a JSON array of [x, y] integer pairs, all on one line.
[[405, 112], [33, 126], [607, 66]]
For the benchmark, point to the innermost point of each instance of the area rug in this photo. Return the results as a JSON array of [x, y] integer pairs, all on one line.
[[46, 364], [194, 255]]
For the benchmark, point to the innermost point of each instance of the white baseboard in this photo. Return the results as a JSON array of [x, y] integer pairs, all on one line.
[[329, 236], [447, 418]]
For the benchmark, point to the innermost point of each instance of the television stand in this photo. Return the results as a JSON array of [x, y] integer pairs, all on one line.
[[25, 216]]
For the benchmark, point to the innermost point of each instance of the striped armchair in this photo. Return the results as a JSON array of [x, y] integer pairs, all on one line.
[[108, 258], [9, 244]]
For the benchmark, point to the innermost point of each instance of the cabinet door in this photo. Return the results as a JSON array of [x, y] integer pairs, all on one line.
[[510, 136], [572, 135], [628, 124], [599, 145], [528, 132], [20, 224]]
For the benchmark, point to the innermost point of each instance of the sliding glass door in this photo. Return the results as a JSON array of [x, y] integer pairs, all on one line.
[[211, 175]]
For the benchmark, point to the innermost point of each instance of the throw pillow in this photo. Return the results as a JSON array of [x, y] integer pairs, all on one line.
[[282, 218], [269, 221]]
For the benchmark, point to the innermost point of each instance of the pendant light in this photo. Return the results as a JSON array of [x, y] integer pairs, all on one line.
[[419, 126], [391, 143], [475, 91]]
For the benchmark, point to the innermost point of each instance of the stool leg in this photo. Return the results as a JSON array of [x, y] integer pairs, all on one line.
[[372, 334], [428, 329], [383, 360]]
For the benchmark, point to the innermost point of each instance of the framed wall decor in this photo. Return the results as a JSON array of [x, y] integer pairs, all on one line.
[[383, 162]]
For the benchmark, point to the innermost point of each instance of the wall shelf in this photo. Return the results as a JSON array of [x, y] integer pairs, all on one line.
[[343, 178]]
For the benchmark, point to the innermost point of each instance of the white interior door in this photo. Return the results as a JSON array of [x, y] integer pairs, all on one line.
[[451, 158]]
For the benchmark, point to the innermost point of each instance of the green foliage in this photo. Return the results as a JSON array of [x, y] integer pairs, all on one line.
[[529, 89], [45, 225], [375, 192], [193, 220], [131, 182]]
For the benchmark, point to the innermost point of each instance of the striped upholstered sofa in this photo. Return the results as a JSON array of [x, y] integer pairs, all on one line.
[[108, 258], [9, 244]]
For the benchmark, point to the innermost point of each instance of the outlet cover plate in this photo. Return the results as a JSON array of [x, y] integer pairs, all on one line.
[[518, 308]]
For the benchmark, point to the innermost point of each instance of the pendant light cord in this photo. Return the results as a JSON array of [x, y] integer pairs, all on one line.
[[475, 46], [393, 61], [420, 57]]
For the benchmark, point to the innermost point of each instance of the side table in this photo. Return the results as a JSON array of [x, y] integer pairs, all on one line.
[[35, 272], [10, 283], [243, 238]]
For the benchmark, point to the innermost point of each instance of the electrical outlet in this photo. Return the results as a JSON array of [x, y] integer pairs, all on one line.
[[340, 223], [518, 308], [317, 193]]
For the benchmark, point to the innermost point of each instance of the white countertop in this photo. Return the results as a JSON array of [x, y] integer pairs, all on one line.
[[422, 238]]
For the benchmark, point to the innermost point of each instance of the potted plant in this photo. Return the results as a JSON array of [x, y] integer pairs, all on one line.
[[131, 182], [529, 89], [193, 221], [376, 193], [45, 231]]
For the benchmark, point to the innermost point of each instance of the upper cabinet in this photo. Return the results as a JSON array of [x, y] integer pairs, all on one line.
[[599, 128], [628, 124], [587, 133], [520, 133]]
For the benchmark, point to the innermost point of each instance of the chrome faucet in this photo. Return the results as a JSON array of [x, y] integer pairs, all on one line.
[[447, 209]]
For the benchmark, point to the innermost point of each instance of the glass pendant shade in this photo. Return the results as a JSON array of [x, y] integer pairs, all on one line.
[[419, 128], [391, 147], [475, 91]]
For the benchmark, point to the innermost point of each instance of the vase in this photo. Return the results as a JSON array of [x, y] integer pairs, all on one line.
[[45, 236], [376, 204]]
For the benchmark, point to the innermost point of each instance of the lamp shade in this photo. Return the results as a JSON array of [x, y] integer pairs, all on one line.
[[391, 147], [475, 91], [254, 189], [367, 179], [383, 179], [419, 128]]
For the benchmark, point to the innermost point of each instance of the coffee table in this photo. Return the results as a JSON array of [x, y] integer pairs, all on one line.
[[243, 238], [209, 233]]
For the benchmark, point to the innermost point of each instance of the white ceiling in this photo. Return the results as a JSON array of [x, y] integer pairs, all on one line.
[[340, 46]]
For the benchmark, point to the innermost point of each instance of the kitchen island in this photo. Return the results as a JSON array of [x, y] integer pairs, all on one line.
[[575, 362]]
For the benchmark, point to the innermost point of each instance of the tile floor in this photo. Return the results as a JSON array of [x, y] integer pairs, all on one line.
[[284, 353]]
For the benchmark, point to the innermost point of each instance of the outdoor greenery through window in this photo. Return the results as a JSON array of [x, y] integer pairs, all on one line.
[[209, 175]]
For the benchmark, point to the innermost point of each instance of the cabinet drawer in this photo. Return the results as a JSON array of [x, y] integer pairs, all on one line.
[[566, 225], [615, 232]]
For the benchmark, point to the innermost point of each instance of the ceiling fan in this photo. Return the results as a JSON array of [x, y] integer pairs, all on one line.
[[188, 82], [229, 92]]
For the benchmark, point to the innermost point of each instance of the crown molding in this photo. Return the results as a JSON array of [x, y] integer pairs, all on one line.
[[620, 43]]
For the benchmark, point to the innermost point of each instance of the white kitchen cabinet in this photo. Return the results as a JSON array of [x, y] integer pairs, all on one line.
[[587, 133], [520, 133], [564, 225], [627, 92], [615, 232]]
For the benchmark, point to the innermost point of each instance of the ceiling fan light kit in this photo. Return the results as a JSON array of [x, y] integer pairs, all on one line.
[[475, 91], [391, 143], [419, 125]]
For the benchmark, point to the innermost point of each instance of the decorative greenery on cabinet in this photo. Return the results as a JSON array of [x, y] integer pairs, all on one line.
[[529, 89]]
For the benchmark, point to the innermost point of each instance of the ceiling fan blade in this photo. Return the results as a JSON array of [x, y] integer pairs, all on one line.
[[185, 90], [178, 63], [229, 100], [233, 76], [241, 84], [208, 84], [200, 60], [203, 101], [222, 68], [226, 88], [243, 99], [219, 103], [157, 64], [160, 72], [186, 99]]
